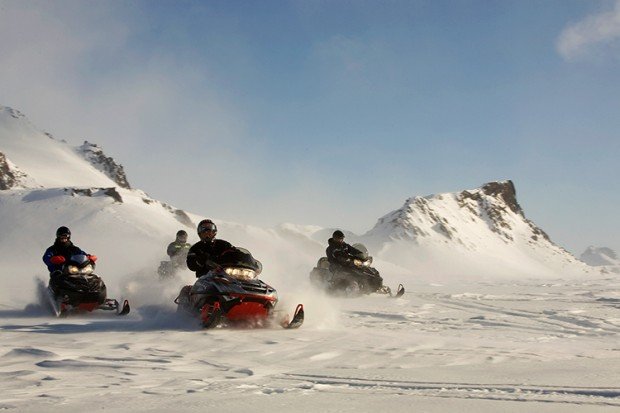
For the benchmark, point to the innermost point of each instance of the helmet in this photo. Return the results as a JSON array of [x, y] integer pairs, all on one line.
[[63, 231], [338, 234], [181, 233], [205, 225]]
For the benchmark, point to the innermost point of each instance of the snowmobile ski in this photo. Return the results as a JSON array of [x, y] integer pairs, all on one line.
[[111, 304], [124, 309], [298, 318], [399, 292]]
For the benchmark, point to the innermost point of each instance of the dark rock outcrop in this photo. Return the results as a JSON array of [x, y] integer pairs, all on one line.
[[9, 177], [94, 154], [91, 192]]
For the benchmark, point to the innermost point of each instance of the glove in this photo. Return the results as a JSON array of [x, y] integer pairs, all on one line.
[[57, 260], [93, 258]]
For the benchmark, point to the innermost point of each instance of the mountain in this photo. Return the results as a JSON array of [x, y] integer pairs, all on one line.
[[34, 159], [601, 257], [46, 183], [476, 232]]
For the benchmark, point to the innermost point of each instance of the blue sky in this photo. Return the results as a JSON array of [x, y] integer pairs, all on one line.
[[334, 112]]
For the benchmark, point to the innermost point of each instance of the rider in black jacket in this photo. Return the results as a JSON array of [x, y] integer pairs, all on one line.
[[338, 252], [205, 254]]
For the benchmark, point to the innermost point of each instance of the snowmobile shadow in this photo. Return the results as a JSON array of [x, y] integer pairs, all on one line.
[[30, 311], [151, 318], [387, 316]]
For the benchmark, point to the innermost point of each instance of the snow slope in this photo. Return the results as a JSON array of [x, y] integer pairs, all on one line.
[[47, 162], [470, 334]]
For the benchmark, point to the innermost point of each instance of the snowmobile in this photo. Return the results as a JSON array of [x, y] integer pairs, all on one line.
[[233, 295], [75, 288], [168, 269], [354, 278]]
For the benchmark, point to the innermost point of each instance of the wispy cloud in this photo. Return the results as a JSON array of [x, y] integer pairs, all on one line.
[[595, 31]]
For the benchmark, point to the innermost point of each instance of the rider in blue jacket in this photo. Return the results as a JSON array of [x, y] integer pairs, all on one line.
[[62, 247]]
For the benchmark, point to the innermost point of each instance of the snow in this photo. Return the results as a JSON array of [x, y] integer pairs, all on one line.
[[486, 338], [471, 346], [48, 162]]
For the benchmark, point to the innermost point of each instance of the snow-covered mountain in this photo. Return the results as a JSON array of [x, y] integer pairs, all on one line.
[[598, 256], [601, 257], [46, 183], [36, 160], [476, 232]]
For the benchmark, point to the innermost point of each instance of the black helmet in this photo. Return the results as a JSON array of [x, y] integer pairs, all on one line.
[[205, 225], [181, 233], [338, 234], [63, 231]]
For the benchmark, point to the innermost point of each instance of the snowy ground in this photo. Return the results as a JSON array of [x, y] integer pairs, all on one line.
[[478, 347]]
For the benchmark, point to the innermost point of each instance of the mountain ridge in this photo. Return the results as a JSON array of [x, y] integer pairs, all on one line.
[[480, 232]]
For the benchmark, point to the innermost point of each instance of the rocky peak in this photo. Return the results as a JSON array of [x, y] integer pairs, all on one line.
[[504, 190], [94, 154], [7, 178], [10, 176]]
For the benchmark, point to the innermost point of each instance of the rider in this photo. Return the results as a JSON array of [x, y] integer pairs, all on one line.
[[204, 255], [178, 249], [338, 252], [62, 247]]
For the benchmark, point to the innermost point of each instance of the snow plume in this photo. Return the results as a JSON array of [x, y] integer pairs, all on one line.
[[597, 29]]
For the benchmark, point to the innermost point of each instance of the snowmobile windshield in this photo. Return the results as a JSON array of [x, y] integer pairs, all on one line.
[[360, 251], [240, 258], [79, 260]]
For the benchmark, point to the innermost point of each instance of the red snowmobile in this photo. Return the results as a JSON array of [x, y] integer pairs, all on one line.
[[233, 295]]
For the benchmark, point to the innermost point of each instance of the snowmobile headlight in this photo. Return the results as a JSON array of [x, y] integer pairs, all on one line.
[[240, 273], [73, 269], [87, 269], [362, 263]]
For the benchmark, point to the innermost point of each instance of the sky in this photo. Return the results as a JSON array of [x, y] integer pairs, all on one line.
[[332, 113]]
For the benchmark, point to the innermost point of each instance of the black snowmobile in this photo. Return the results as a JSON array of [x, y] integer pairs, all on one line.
[[354, 277], [75, 288], [233, 295]]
